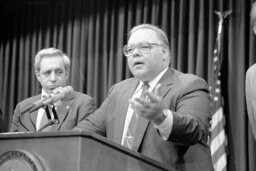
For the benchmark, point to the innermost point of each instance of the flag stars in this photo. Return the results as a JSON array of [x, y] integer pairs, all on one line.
[[215, 59], [215, 67], [215, 52], [216, 98], [217, 90]]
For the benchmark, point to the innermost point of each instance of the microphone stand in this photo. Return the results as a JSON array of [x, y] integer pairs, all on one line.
[[51, 121]]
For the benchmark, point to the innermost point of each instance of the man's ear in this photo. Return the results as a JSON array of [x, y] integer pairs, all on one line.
[[254, 29], [37, 75], [67, 73], [164, 53]]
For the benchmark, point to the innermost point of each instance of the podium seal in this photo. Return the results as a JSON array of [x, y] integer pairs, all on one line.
[[19, 160]]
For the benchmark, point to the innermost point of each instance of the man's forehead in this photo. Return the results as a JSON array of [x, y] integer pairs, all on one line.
[[143, 35], [51, 62]]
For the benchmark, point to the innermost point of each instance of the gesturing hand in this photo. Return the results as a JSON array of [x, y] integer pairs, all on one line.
[[151, 107], [58, 90]]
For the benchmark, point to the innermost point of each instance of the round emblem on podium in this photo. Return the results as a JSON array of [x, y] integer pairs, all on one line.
[[19, 160]]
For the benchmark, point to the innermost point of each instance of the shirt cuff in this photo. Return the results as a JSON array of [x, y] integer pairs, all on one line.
[[165, 127]]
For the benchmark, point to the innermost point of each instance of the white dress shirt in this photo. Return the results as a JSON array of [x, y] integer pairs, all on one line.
[[41, 111]]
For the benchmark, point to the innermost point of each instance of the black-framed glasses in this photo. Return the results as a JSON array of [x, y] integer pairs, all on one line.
[[143, 47]]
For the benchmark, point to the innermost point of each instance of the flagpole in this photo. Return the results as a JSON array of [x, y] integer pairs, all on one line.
[[221, 16], [218, 140], [215, 83]]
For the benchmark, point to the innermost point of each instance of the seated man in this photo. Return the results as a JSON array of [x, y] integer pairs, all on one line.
[[52, 69], [161, 113], [250, 82]]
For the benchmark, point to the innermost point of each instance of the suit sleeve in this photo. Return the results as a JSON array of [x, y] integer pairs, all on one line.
[[251, 97], [191, 113], [15, 119], [97, 121], [87, 107]]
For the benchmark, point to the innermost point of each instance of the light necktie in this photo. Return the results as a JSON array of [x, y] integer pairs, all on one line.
[[130, 134]]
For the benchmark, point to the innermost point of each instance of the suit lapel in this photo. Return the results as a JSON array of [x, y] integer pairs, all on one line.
[[167, 82], [126, 94], [27, 123], [32, 117], [28, 120]]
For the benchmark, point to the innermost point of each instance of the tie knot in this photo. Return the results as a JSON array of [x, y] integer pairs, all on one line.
[[145, 85]]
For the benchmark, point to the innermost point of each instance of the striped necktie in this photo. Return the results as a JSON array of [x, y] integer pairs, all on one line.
[[130, 134]]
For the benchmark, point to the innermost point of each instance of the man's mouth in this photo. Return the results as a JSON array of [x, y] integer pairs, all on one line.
[[138, 63]]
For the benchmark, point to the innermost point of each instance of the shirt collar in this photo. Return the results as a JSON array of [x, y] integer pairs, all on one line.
[[44, 94], [153, 82]]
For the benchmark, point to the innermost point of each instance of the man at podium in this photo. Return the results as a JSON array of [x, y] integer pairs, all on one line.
[[161, 113], [57, 107]]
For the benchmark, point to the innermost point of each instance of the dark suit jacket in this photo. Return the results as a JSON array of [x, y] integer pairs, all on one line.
[[187, 97], [250, 93], [72, 110]]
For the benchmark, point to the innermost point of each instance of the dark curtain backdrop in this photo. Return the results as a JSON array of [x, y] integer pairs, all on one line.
[[93, 32]]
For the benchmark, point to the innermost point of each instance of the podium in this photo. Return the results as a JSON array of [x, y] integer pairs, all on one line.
[[69, 151]]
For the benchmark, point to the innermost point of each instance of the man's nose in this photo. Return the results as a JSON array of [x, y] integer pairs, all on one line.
[[53, 76]]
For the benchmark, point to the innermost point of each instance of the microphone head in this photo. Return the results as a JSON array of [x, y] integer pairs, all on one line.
[[64, 93]]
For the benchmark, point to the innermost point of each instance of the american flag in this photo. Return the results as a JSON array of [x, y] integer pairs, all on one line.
[[218, 139]]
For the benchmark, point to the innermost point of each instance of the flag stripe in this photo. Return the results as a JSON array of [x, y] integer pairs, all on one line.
[[219, 152], [217, 117], [217, 142], [218, 127], [221, 164]]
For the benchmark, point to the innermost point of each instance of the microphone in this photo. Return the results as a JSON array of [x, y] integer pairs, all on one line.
[[67, 91], [29, 107]]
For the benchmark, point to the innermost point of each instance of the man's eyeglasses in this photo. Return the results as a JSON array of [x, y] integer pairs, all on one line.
[[143, 47]]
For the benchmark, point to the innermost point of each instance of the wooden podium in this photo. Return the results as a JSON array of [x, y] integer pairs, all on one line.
[[69, 151]]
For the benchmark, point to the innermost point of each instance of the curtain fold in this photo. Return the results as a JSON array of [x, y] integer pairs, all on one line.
[[93, 32]]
